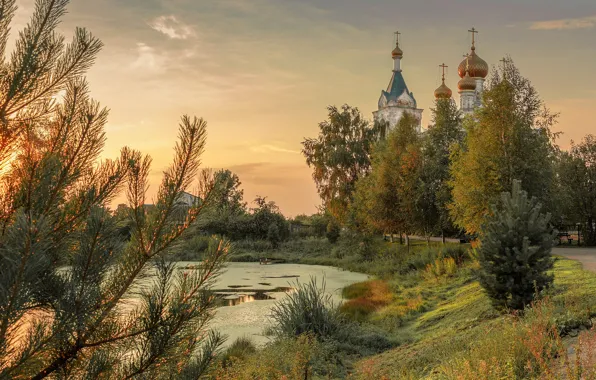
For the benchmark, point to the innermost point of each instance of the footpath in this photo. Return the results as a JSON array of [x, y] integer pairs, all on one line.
[[586, 256]]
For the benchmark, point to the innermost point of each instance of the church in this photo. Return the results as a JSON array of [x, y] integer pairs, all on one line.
[[398, 99]]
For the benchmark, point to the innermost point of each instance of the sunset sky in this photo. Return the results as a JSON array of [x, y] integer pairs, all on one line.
[[261, 72]]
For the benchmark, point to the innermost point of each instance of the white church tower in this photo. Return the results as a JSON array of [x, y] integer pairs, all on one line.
[[467, 92], [471, 69], [397, 99]]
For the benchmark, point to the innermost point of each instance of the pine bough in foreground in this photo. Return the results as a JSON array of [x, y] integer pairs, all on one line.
[[76, 300]]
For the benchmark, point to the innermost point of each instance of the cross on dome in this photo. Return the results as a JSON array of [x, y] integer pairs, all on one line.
[[474, 32], [443, 92]]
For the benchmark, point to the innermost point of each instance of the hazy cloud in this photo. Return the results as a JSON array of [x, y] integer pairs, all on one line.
[[148, 59], [172, 27], [567, 23], [266, 148]]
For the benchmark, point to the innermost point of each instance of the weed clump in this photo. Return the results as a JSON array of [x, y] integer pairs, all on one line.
[[307, 310]]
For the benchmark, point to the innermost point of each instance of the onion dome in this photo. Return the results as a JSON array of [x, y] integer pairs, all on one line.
[[443, 92], [397, 52], [467, 83], [478, 68]]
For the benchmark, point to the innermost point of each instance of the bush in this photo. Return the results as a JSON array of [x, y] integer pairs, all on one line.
[[333, 231], [273, 235], [515, 251]]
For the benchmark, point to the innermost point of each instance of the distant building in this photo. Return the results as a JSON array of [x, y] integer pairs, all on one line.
[[398, 99], [187, 199], [183, 204], [473, 71]]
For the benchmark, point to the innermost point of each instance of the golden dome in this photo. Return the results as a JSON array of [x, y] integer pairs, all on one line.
[[466, 83], [478, 67], [397, 53], [443, 92]]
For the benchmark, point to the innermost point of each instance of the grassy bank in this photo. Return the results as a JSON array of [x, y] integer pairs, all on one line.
[[452, 332], [428, 304], [375, 257]]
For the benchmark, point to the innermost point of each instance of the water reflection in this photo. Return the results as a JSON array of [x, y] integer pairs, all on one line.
[[231, 298]]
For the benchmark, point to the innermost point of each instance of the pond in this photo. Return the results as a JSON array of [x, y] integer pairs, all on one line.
[[250, 290]]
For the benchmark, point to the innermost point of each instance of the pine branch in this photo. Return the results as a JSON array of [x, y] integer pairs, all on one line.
[[7, 11]]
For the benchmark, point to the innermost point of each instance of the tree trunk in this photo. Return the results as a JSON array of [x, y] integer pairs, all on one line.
[[443, 236], [408, 243], [401, 239]]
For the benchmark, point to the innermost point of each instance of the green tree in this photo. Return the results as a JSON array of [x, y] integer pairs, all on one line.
[[508, 138], [67, 277], [226, 214], [385, 200], [515, 250], [339, 156], [228, 196], [577, 180], [263, 216], [434, 193]]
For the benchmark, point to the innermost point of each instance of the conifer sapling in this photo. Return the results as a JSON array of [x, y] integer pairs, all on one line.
[[515, 251]]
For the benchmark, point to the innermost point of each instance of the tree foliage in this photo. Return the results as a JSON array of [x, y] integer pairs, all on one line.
[[264, 215], [70, 304], [515, 251], [339, 156], [333, 232], [434, 193], [228, 195], [577, 180], [385, 200], [508, 138]]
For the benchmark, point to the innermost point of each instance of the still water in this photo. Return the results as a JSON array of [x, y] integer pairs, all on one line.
[[251, 290]]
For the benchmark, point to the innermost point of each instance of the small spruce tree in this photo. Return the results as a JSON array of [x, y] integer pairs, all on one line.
[[515, 251]]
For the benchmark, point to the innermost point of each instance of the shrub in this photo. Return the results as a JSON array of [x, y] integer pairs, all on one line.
[[337, 253], [515, 251], [333, 231], [273, 235]]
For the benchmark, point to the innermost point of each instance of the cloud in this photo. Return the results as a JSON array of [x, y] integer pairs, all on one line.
[[266, 148], [172, 27], [148, 58], [269, 173], [567, 23]]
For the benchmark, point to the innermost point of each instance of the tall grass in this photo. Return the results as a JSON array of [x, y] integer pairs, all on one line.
[[307, 310], [286, 358], [239, 349]]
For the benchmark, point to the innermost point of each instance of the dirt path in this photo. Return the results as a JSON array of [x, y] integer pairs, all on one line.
[[586, 256]]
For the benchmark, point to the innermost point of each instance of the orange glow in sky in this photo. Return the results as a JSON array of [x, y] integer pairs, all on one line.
[[262, 72]]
